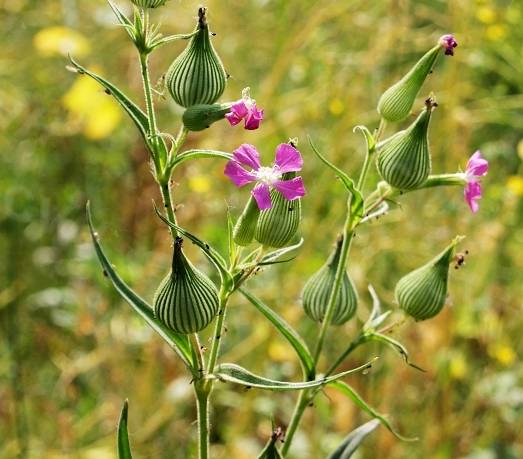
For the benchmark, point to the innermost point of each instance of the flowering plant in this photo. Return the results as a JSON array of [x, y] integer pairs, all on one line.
[[265, 233]]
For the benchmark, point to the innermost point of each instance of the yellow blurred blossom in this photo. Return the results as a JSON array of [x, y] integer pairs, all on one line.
[[61, 40], [486, 14], [199, 183], [520, 149], [95, 112], [496, 32], [515, 184], [458, 367], [503, 353], [336, 107], [278, 351]]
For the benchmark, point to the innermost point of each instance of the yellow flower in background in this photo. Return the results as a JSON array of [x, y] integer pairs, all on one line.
[[96, 113], [496, 32], [515, 185], [486, 14], [61, 40], [458, 367], [503, 353], [336, 107], [200, 183]]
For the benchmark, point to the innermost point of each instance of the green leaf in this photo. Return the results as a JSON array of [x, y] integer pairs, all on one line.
[[180, 343], [271, 451], [124, 448], [354, 440], [357, 205], [396, 345], [230, 238], [347, 390], [294, 339], [195, 154], [212, 254], [171, 38], [274, 256], [369, 138], [230, 372], [122, 18], [376, 317]]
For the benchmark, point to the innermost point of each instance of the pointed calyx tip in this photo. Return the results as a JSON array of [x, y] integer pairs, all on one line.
[[448, 42], [202, 19]]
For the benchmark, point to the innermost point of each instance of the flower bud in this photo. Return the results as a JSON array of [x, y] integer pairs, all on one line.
[[201, 116], [423, 292], [396, 102], [149, 3], [276, 226], [404, 160], [243, 232], [197, 75], [186, 301], [317, 291]]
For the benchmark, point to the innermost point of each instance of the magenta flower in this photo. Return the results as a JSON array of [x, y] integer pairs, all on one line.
[[288, 159], [477, 166], [245, 109], [449, 43]]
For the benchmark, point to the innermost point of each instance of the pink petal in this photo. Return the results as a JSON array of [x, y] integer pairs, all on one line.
[[238, 175], [472, 193], [288, 159], [233, 118], [240, 109], [248, 155], [291, 189], [262, 195], [477, 165], [253, 119]]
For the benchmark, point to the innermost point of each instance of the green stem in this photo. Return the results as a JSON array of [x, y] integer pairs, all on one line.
[[218, 329], [362, 338], [301, 404], [202, 405]]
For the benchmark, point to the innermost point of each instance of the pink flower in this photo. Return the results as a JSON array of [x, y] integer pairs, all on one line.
[[477, 166], [245, 109], [449, 43], [288, 159]]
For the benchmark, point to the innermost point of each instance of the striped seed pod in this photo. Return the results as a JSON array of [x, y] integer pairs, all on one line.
[[149, 3], [317, 291], [423, 292], [276, 226], [396, 102], [201, 116], [243, 231], [197, 75], [186, 301], [404, 160]]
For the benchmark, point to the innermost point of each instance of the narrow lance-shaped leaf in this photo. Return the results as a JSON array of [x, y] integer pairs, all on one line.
[[275, 255], [353, 441], [357, 207], [178, 342], [124, 448], [291, 335], [122, 18], [212, 254], [195, 154], [230, 372], [396, 345], [348, 391]]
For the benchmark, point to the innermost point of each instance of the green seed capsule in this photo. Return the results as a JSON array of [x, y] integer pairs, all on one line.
[[201, 116], [396, 102], [243, 232], [423, 292], [197, 75], [404, 160], [186, 301], [318, 289], [276, 226], [149, 3]]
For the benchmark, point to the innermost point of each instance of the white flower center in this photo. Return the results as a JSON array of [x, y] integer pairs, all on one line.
[[267, 175]]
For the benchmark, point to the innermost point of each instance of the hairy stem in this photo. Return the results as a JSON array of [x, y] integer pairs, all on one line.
[[218, 329], [202, 405], [301, 404]]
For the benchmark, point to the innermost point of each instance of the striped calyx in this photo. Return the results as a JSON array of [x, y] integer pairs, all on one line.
[[423, 292], [276, 226], [396, 102], [149, 3], [317, 291], [197, 75], [404, 159], [201, 116], [186, 301], [245, 227]]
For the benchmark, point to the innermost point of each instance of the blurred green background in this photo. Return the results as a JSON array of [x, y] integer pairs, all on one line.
[[71, 350]]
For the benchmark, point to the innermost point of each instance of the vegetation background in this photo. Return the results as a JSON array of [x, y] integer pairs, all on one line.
[[71, 350]]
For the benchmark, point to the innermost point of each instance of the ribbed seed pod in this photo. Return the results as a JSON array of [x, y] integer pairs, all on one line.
[[186, 301], [197, 75], [149, 3], [201, 116], [243, 232], [404, 160], [423, 292], [276, 226], [396, 102], [317, 291]]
